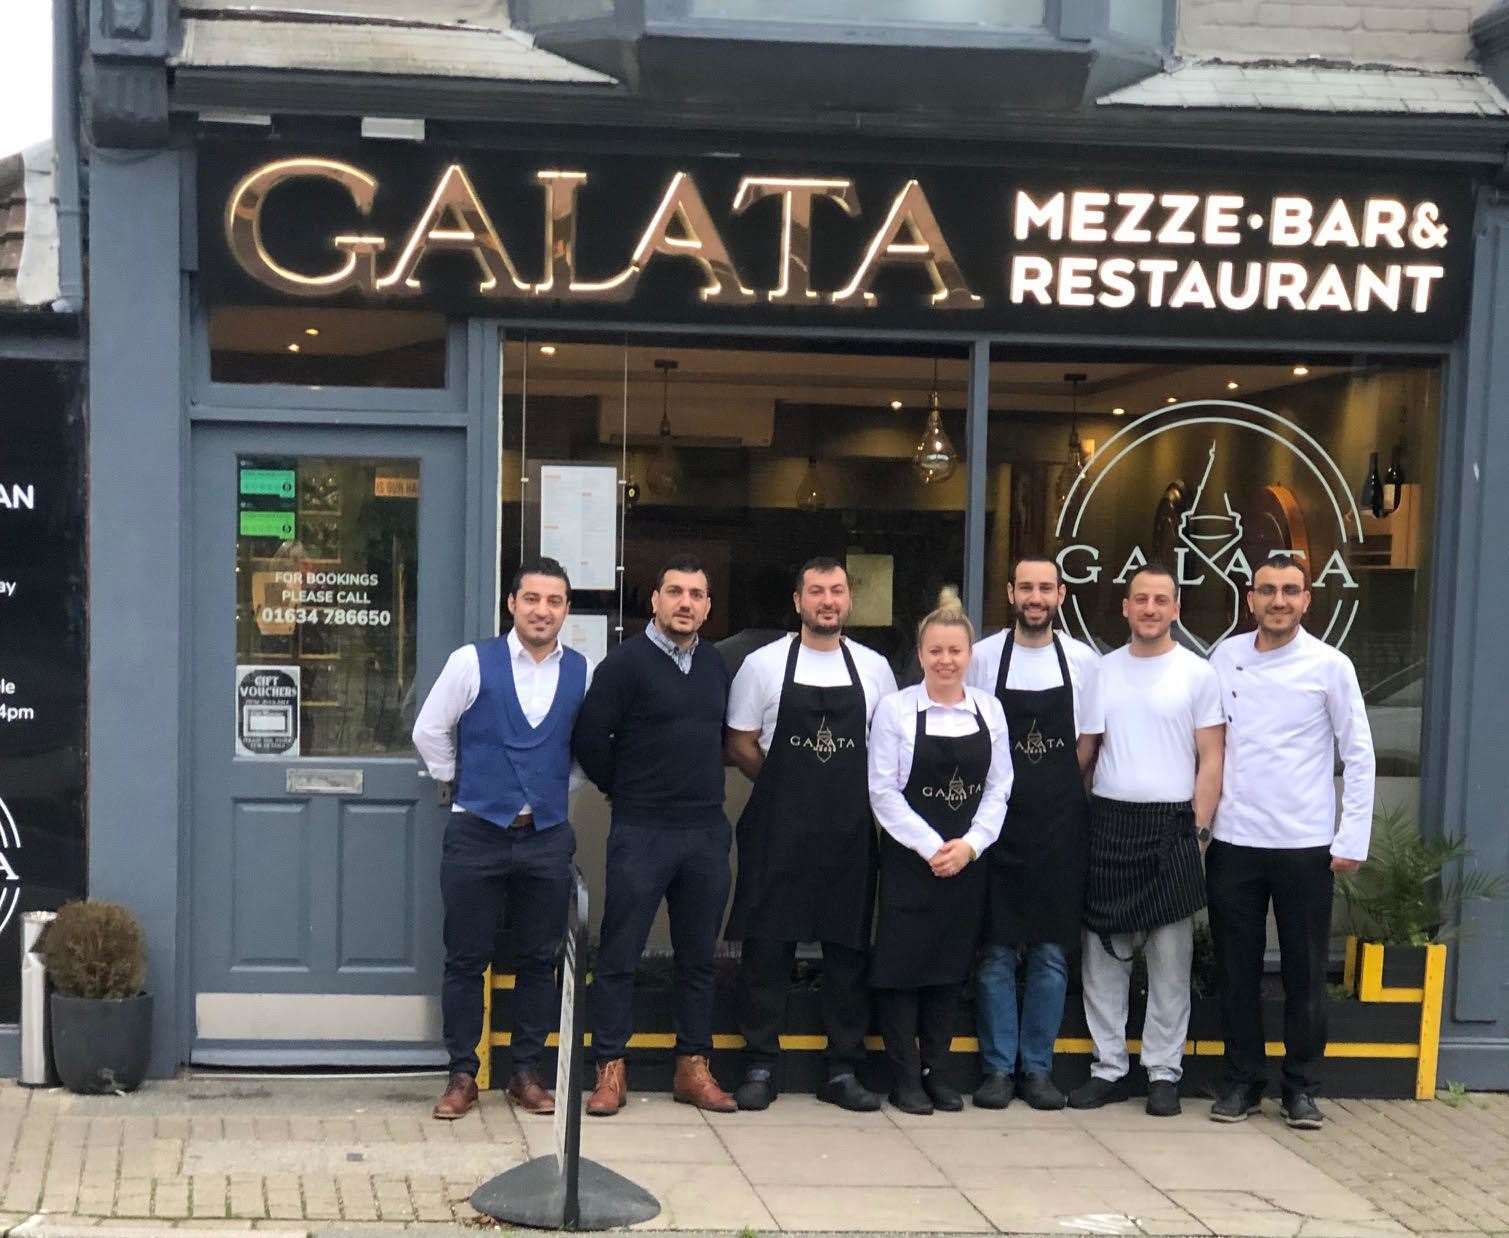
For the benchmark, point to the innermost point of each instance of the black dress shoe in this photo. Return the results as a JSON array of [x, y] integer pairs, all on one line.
[[756, 1092], [909, 1097], [1236, 1102], [1039, 1091], [945, 1096], [847, 1092], [995, 1091], [1300, 1111], [1095, 1092], [1163, 1098]]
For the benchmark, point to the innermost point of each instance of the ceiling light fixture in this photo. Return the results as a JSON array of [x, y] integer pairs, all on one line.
[[547, 350], [1118, 411], [311, 330], [293, 348], [1173, 399], [1232, 385], [934, 458], [1301, 370], [809, 491], [1074, 466], [896, 406], [663, 477]]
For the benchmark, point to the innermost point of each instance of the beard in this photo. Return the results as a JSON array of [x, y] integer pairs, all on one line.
[[819, 627], [1041, 625]]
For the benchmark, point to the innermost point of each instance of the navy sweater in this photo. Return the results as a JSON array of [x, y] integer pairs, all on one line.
[[651, 738]]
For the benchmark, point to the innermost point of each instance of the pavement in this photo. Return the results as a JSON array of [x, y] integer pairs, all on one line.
[[229, 1157]]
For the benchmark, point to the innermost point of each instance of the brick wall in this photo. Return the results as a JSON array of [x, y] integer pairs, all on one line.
[[1388, 31]]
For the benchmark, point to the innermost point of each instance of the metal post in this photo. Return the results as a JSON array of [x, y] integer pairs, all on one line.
[[36, 1053]]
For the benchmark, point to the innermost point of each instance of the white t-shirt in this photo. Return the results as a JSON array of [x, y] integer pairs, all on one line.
[[1153, 707], [754, 700], [1033, 670]]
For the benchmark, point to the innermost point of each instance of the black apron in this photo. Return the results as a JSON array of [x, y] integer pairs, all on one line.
[[806, 837], [1037, 866], [1145, 868], [928, 927]]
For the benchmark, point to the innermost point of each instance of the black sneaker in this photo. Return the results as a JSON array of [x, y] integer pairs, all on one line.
[[995, 1091], [1163, 1098], [1095, 1092], [1300, 1111], [945, 1096], [909, 1097], [847, 1092], [1039, 1091], [1236, 1102], [757, 1090]]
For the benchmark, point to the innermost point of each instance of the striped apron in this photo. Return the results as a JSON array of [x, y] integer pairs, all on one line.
[[1145, 868]]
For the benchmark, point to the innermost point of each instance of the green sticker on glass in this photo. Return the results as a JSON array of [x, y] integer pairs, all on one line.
[[280, 483], [268, 524]]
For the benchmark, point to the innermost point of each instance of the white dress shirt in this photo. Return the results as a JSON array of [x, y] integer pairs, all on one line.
[[1288, 712], [893, 740], [455, 692]]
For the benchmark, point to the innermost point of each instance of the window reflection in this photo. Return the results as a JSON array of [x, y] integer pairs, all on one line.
[[327, 347]]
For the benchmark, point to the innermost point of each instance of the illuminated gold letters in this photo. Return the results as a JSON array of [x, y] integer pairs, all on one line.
[[699, 241], [912, 214], [455, 201], [560, 229], [243, 229], [796, 195]]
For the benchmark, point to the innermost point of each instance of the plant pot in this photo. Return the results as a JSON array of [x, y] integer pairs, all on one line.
[[101, 1044]]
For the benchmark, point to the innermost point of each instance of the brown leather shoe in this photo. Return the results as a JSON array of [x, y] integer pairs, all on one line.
[[528, 1091], [460, 1095], [612, 1091], [694, 1085]]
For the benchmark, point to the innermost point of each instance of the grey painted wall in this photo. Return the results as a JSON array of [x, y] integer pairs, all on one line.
[[137, 476]]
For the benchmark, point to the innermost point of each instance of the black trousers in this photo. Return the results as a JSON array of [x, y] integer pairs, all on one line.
[[765, 977], [911, 1016], [688, 869], [483, 870], [1241, 882]]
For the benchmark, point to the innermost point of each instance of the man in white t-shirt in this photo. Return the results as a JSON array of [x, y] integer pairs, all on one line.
[[1048, 684], [798, 726], [1157, 782], [1292, 703]]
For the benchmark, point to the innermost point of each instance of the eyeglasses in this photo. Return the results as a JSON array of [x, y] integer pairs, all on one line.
[[1268, 592]]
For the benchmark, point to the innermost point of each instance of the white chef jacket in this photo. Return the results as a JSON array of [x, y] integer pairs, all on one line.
[[893, 739], [455, 692], [1288, 712]]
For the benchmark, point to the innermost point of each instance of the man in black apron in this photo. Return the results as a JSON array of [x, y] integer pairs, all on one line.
[[1157, 782], [1037, 866], [798, 723]]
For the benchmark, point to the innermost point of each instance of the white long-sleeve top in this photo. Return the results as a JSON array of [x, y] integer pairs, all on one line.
[[455, 692], [1289, 711], [893, 740]]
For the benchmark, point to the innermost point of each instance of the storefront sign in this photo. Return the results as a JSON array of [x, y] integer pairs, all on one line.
[[42, 634], [1212, 489], [1018, 246], [267, 711]]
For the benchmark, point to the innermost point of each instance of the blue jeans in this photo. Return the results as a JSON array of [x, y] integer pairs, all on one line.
[[1002, 1033]]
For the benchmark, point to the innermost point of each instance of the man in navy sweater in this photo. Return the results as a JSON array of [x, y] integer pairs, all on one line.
[[497, 725], [650, 735]]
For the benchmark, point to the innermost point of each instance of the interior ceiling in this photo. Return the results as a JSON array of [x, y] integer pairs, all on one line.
[[857, 380]]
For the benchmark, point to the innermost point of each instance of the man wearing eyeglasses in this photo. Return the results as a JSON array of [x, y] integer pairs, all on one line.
[[1292, 705]]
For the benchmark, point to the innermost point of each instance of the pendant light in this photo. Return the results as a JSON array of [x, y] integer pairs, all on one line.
[[663, 477], [1074, 465], [809, 491], [934, 458]]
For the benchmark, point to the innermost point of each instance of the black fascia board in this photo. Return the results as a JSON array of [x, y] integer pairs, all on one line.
[[1372, 137]]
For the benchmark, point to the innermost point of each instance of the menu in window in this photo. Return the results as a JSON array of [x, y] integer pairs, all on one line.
[[579, 522]]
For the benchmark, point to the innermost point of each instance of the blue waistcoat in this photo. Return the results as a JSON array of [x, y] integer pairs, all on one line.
[[502, 762]]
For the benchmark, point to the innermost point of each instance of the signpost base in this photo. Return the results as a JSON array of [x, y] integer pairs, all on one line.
[[530, 1194]]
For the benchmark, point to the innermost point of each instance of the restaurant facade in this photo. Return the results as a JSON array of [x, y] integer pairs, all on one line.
[[924, 296]]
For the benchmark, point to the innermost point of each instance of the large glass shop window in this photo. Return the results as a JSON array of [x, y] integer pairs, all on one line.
[[1210, 469], [326, 598]]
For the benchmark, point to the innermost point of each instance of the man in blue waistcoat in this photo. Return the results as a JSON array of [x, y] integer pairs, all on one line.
[[497, 728]]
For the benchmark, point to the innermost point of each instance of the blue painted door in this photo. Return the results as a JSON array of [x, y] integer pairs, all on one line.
[[328, 580]]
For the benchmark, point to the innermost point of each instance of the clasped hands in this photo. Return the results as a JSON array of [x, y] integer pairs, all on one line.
[[951, 858]]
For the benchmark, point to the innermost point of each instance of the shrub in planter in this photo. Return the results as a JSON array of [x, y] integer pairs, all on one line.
[[101, 1018]]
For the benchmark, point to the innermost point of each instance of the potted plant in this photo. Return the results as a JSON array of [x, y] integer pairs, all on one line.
[[101, 1018]]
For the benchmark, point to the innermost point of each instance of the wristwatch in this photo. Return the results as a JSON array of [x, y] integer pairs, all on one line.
[[1202, 834]]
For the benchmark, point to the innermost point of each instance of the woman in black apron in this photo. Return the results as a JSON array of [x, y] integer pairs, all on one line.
[[932, 910], [1037, 879], [807, 870]]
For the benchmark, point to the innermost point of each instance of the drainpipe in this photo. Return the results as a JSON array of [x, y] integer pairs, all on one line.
[[65, 145]]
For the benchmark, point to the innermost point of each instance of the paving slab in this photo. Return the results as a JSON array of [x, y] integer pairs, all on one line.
[[988, 1156], [632, 1145], [829, 1157], [702, 1197], [853, 1209], [1214, 1160]]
